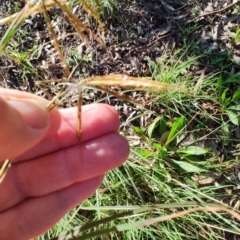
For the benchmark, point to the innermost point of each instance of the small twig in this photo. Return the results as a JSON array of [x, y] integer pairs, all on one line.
[[214, 12]]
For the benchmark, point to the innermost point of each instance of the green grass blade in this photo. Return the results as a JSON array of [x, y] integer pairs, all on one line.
[[13, 28]]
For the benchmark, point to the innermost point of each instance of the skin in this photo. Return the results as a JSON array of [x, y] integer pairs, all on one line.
[[51, 173]]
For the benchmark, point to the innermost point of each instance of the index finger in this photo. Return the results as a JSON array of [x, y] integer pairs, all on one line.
[[97, 120]]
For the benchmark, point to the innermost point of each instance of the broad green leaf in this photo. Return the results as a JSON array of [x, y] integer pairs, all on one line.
[[180, 138], [157, 145], [177, 125], [225, 127], [227, 102], [188, 167], [192, 150], [233, 117], [162, 126], [236, 95], [159, 123], [193, 159], [138, 131], [162, 153], [144, 153], [153, 126], [234, 107], [223, 96]]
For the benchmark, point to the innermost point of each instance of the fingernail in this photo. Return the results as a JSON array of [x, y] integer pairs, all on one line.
[[35, 113]]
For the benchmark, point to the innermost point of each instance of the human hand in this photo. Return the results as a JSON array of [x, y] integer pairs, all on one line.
[[51, 173]]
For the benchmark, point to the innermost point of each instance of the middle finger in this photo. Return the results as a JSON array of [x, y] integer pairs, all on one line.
[[63, 168]]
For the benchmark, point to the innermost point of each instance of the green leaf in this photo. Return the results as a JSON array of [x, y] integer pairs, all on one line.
[[177, 125], [144, 153], [233, 117], [193, 159], [20, 17], [233, 78], [236, 95], [138, 131], [188, 167], [219, 82], [234, 107], [227, 102], [157, 145], [180, 138], [153, 126], [162, 125], [225, 128], [223, 96], [162, 153], [192, 150]]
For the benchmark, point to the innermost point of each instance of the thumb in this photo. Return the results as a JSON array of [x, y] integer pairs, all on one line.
[[23, 123]]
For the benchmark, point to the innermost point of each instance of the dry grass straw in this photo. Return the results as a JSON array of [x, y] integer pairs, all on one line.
[[79, 26], [55, 40], [4, 169], [33, 9]]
